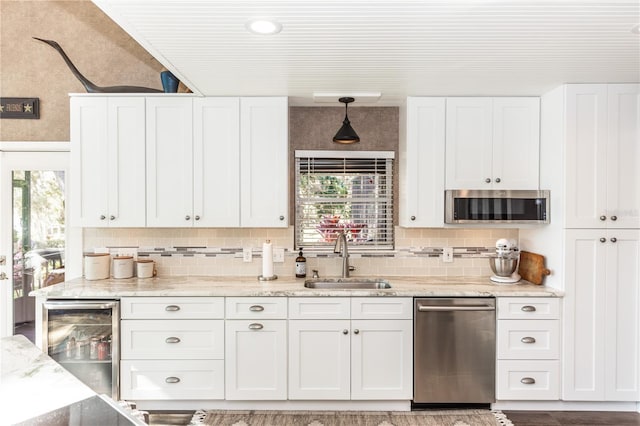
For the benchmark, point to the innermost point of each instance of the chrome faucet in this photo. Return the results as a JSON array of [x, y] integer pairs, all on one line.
[[341, 247]]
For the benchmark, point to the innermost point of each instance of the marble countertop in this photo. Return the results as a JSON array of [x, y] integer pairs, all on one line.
[[31, 383], [287, 286]]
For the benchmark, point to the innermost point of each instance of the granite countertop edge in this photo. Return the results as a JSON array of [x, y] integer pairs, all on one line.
[[230, 286]]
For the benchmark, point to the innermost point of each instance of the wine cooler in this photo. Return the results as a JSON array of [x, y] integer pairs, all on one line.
[[83, 337]]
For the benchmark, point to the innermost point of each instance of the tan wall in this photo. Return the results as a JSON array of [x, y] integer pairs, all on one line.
[[99, 48]]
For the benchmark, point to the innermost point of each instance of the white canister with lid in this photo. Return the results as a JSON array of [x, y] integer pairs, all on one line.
[[123, 267], [145, 268], [96, 266]]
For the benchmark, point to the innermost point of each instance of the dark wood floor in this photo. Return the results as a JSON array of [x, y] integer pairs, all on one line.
[[519, 418]]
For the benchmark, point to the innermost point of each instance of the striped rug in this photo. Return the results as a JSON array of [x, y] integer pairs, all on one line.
[[350, 418]]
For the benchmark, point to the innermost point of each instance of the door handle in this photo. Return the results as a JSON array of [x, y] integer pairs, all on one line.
[[422, 308]]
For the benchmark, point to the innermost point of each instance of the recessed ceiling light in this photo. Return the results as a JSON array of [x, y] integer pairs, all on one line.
[[636, 29], [264, 26]]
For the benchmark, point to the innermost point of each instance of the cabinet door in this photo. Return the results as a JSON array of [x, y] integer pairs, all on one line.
[[169, 162], [468, 143], [422, 164], [264, 174], [319, 354], [516, 143], [586, 152], [88, 133], [216, 162], [623, 156], [381, 359], [256, 360], [126, 162], [622, 307], [584, 316]]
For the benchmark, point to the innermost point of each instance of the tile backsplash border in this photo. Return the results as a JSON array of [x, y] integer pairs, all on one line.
[[218, 251]]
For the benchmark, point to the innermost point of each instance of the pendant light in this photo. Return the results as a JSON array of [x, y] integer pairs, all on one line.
[[346, 134]]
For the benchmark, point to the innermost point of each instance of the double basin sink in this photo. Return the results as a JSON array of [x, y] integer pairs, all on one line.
[[347, 283]]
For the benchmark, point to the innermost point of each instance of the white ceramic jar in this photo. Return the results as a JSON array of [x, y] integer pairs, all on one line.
[[145, 268], [96, 266], [122, 267]]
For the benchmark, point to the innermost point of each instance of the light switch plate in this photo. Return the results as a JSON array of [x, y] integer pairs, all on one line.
[[447, 254], [278, 255], [247, 255]]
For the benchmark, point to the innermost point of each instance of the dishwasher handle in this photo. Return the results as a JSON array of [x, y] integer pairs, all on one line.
[[441, 308]]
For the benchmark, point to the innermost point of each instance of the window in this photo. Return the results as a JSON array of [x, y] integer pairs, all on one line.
[[344, 191]]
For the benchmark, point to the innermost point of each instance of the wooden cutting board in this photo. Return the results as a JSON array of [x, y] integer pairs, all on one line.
[[532, 267]]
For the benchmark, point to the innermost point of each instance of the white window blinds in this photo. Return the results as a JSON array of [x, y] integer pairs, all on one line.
[[344, 191]]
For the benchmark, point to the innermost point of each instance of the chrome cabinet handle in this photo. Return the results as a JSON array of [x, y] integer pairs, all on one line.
[[172, 380], [255, 326], [603, 239], [112, 217], [497, 180], [528, 308], [528, 381], [356, 331], [102, 217], [256, 308], [614, 217], [413, 218], [172, 340], [528, 340], [614, 239], [345, 331], [172, 308], [487, 180], [281, 217], [197, 217], [187, 217], [603, 217]]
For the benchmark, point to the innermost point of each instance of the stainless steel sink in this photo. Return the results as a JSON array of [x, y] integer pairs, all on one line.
[[347, 283]]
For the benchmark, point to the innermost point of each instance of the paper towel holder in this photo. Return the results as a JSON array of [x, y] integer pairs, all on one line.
[[261, 278]]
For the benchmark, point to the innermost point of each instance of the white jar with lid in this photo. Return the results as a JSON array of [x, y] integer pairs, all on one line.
[[122, 267], [96, 266]]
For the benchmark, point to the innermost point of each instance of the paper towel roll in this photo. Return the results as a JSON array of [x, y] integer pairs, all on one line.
[[267, 260]]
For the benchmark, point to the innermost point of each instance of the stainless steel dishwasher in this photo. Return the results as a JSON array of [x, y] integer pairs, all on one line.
[[454, 350]]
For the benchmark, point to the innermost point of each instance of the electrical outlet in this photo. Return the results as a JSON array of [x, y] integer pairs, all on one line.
[[447, 254], [128, 251], [247, 255], [278, 255]]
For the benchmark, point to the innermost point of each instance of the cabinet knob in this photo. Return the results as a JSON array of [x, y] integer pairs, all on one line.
[[528, 381], [172, 380], [345, 331], [614, 239], [528, 340], [603, 217], [528, 308], [281, 217], [197, 217], [172, 340], [614, 217], [255, 326], [102, 217], [187, 217], [356, 331], [413, 218], [256, 308], [497, 180], [487, 180], [172, 308], [112, 217], [603, 239]]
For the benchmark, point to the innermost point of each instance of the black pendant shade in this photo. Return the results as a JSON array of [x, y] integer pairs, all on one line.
[[346, 134]]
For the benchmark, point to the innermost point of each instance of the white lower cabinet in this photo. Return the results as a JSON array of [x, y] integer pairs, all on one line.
[[345, 355], [528, 349]]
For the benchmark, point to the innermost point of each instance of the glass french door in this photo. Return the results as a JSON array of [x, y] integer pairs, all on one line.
[[32, 233]]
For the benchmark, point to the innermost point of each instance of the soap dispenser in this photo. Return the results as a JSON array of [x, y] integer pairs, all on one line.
[[301, 265]]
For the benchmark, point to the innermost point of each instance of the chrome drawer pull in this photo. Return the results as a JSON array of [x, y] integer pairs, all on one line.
[[528, 340], [255, 326], [528, 381], [427, 308], [528, 308], [256, 308], [172, 380], [172, 308], [172, 340]]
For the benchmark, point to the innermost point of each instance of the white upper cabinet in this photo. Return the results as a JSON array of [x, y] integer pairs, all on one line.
[[603, 156], [492, 143], [108, 167], [422, 163], [264, 173]]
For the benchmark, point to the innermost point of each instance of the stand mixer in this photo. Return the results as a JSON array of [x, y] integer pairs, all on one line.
[[505, 263]]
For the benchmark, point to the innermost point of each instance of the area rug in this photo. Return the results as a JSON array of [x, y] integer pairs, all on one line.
[[350, 418]]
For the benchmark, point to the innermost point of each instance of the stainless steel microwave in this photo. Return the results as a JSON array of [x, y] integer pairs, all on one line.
[[496, 206]]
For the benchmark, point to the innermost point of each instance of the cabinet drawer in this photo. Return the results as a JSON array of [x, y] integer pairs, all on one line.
[[528, 308], [172, 379], [531, 380], [528, 339], [319, 308], [164, 339], [256, 307], [172, 307], [382, 308]]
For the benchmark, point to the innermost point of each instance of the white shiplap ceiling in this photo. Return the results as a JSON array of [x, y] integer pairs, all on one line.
[[398, 48]]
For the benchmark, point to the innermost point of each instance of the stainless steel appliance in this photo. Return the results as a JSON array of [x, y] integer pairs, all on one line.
[[82, 336], [496, 206], [505, 262], [454, 351]]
